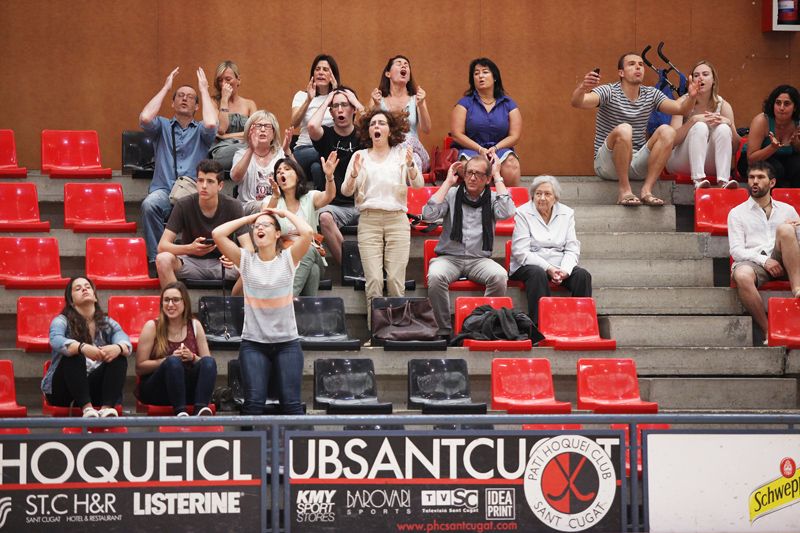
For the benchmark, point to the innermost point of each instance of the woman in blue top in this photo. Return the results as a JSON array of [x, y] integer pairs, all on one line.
[[88, 362], [486, 121], [775, 137]]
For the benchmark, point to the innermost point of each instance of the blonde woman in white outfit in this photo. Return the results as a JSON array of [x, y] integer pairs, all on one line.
[[706, 137]]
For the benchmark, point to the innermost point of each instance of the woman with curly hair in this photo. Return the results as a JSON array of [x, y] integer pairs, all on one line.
[[88, 362], [379, 176]]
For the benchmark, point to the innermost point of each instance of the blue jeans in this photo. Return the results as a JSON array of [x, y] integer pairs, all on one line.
[[257, 361], [155, 211], [308, 158], [176, 384]]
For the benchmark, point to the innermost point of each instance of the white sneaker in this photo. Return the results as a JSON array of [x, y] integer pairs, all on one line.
[[205, 411], [107, 412], [702, 184], [182, 413], [730, 184], [90, 412]]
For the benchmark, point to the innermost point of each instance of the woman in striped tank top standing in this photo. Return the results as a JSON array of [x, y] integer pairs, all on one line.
[[270, 342]]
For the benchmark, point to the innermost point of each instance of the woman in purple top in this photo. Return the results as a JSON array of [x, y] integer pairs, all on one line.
[[485, 121]]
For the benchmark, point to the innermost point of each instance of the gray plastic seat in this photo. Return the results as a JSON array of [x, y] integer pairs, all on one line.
[[347, 386], [441, 386]]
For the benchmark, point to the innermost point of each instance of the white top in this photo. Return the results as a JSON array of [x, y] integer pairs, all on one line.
[[255, 184], [751, 235], [327, 120], [268, 300], [535, 242], [381, 184]]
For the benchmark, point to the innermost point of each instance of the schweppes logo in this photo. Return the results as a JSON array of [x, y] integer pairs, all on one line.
[[776, 494]]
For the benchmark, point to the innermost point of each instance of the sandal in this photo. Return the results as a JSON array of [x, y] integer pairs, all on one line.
[[652, 201], [629, 200]]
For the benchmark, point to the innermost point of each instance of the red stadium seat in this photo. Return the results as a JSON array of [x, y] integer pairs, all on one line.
[[552, 427], [79, 430], [789, 196], [190, 429], [465, 305], [58, 411], [9, 408], [19, 208], [610, 386], [34, 314], [72, 154], [639, 429], [417, 198], [525, 386], [520, 197], [30, 263], [784, 322], [15, 431], [95, 207], [518, 283], [774, 285], [118, 263], [131, 312], [711, 208], [458, 285], [8, 157], [571, 324]]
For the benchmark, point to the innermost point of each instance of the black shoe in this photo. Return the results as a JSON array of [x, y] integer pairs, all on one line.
[[151, 270]]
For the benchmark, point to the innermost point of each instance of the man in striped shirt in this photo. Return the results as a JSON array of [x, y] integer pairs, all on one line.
[[621, 150]]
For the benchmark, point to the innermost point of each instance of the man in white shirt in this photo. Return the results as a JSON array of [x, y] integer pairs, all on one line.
[[763, 241]]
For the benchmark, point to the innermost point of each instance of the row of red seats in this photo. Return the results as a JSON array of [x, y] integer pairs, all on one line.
[[88, 207], [65, 154], [711, 206]]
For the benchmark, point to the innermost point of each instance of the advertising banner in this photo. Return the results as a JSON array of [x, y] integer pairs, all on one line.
[[719, 481], [201, 481], [454, 481]]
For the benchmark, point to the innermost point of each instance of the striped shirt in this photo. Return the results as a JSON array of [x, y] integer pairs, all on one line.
[[268, 305], [615, 108]]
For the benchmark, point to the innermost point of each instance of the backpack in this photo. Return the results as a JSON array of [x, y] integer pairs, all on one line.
[[489, 324]]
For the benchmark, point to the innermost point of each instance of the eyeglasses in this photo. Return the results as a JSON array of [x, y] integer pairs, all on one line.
[[342, 105], [475, 174], [379, 123], [181, 96], [263, 225], [260, 126], [172, 299]]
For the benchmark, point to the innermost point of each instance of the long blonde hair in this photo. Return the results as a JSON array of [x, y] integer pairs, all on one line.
[[715, 99]]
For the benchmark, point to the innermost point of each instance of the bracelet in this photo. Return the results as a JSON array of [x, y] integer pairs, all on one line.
[[223, 109], [353, 176], [329, 180], [80, 348], [121, 349]]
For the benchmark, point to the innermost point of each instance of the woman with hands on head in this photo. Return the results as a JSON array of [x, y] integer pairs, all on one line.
[[775, 137], [398, 92], [89, 351], [173, 359], [486, 121], [706, 137], [290, 192], [270, 342], [253, 166], [233, 112], [324, 80], [379, 176]]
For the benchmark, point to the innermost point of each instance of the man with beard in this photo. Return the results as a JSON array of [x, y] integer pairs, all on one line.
[[465, 246], [762, 233], [180, 144], [621, 150], [342, 137]]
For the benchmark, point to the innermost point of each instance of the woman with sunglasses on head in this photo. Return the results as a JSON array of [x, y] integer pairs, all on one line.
[[290, 192], [173, 359], [233, 111], [89, 351], [270, 343]]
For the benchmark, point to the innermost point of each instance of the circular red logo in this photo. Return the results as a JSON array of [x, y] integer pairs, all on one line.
[[788, 467], [570, 483]]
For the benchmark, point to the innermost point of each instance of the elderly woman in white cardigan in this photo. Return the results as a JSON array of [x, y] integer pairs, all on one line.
[[544, 247]]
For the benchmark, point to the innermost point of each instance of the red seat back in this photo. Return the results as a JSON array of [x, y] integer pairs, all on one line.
[[711, 208], [522, 379], [93, 202], [417, 198], [789, 196], [29, 258], [132, 312], [465, 305], [639, 428], [117, 258], [8, 392], [70, 148], [428, 253], [8, 149], [34, 315], [568, 317], [19, 203], [784, 322], [606, 380]]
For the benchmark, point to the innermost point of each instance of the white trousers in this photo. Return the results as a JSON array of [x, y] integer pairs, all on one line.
[[704, 151]]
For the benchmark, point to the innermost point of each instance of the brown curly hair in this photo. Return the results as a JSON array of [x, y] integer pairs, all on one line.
[[398, 126]]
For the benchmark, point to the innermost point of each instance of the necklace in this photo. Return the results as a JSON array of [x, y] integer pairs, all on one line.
[[487, 102]]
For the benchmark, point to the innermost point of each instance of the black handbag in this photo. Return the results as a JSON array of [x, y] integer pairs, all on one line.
[[412, 321]]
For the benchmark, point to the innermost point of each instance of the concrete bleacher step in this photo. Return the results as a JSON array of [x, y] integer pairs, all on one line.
[[722, 393], [593, 190], [678, 331], [52, 190]]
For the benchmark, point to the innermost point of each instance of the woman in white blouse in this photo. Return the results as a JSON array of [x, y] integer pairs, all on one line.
[[380, 176], [544, 247]]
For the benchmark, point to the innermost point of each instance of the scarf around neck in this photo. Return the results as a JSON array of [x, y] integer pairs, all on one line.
[[487, 216]]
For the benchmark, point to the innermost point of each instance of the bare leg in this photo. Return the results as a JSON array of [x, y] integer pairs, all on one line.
[[745, 279], [333, 237], [787, 245], [660, 145], [620, 142], [166, 266], [510, 171]]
